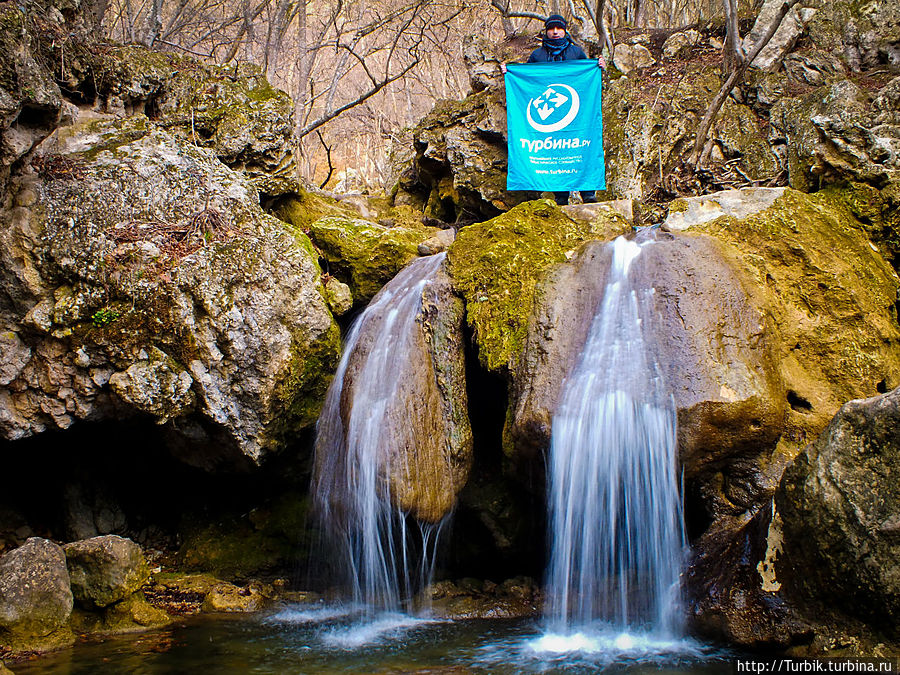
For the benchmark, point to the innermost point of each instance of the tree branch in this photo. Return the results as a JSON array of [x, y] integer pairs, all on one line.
[[732, 80]]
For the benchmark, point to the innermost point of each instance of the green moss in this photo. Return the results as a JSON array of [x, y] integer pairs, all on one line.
[[495, 266], [812, 269], [301, 209], [878, 210], [129, 615], [267, 540], [298, 399], [363, 254]]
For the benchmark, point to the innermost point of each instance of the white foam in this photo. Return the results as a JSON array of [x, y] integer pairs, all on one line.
[[302, 614]]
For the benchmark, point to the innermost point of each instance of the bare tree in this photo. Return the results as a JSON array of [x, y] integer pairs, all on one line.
[[742, 63]]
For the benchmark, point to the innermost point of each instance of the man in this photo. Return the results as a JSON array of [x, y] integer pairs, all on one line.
[[557, 45]]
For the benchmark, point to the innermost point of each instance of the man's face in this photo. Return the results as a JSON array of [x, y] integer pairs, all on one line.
[[556, 32]]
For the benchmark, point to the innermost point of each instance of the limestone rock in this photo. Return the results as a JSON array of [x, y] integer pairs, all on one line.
[[678, 45], [473, 599], [733, 593], [644, 143], [35, 598], [766, 323], [785, 37], [685, 213], [338, 296], [713, 346], [461, 158], [482, 62], [105, 570], [438, 243], [364, 254], [837, 134], [631, 57], [808, 265], [225, 597], [233, 111], [143, 265], [867, 34], [839, 503], [815, 69], [30, 99], [158, 386], [428, 455], [495, 266]]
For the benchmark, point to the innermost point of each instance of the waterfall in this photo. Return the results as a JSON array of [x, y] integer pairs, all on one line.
[[617, 533], [359, 436]]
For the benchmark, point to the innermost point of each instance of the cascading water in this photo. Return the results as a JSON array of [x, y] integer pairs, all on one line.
[[617, 536], [386, 558]]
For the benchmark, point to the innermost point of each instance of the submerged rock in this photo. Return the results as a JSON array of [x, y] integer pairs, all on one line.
[[35, 597], [839, 503], [104, 570]]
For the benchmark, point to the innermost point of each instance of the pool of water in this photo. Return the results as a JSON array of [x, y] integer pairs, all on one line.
[[331, 639]]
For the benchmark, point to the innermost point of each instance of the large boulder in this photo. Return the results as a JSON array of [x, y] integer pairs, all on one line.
[[104, 570], [713, 347], [839, 504], [495, 266], [732, 589], [406, 367], [35, 597], [364, 254], [234, 111], [808, 266], [141, 276]]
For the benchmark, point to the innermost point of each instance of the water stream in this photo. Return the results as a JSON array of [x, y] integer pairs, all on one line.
[[385, 556], [617, 533], [616, 518]]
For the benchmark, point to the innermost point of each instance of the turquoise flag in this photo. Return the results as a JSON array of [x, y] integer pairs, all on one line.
[[555, 126]]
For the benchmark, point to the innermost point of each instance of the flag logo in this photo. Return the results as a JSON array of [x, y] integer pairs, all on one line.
[[555, 108]]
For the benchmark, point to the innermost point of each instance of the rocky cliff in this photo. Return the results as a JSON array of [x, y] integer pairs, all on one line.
[[145, 279]]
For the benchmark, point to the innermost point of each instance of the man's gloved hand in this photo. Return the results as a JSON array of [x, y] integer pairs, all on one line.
[[503, 68], [600, 62]]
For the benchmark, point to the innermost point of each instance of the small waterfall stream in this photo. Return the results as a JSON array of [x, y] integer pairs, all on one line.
[[617, 533], [386, 559]]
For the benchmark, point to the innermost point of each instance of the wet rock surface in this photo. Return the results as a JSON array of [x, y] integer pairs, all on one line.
[[425, 440], [839, 505], [35, 597], [104, 570], [712, 344], [476, 599]]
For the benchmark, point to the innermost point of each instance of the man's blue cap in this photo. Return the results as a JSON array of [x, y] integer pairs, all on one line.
[[555, 20]]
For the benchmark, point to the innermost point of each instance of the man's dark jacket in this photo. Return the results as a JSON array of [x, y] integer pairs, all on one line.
[[571, 53]]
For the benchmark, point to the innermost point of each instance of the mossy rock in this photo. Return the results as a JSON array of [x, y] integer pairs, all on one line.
[[363, 254], [302, 208], [233, 110], [130, 615], [268, 540], [878, 210], [809, 265], [496, 264]]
